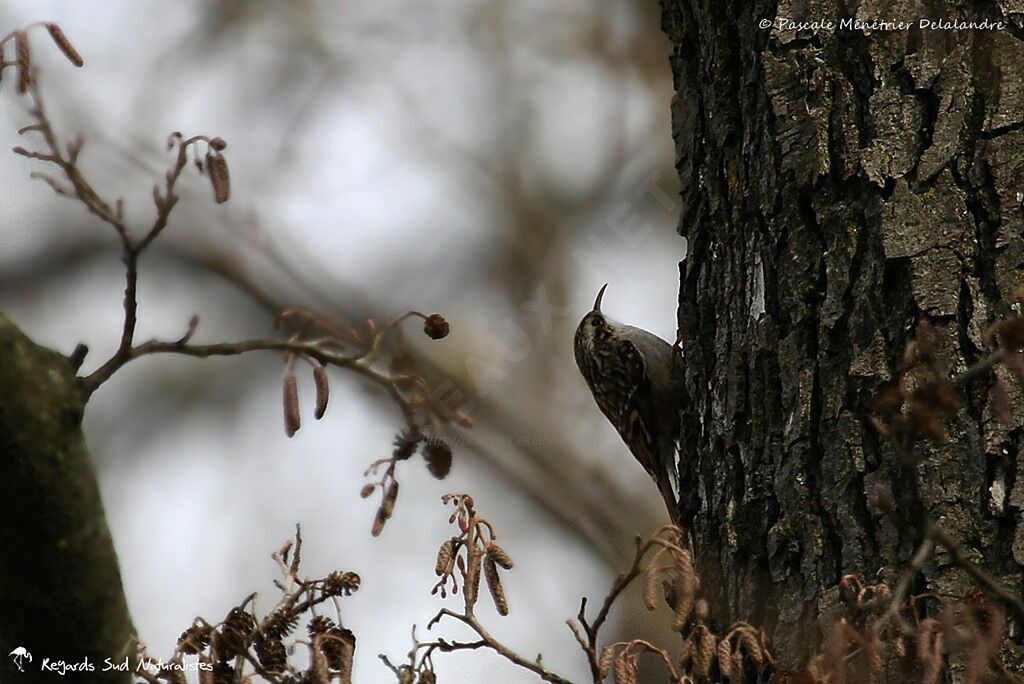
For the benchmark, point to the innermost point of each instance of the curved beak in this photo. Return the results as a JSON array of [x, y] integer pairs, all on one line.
[[600, 295]]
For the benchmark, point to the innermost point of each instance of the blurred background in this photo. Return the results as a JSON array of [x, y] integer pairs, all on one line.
[[493, 160]]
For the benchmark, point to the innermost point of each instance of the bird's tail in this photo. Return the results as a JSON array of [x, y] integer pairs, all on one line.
[[667, 477], [668, 493]]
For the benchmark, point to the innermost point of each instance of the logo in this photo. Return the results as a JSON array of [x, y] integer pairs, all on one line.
[[18, 655]]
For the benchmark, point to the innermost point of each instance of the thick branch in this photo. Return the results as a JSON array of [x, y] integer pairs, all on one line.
[[59, 576]]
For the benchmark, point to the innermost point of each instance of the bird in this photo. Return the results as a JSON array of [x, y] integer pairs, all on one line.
[[629, 373]]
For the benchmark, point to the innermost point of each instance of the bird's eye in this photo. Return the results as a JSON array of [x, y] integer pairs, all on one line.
[[594, 322]]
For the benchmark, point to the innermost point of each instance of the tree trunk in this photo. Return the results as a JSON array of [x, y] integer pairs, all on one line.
[[838, 184], [60, 587]]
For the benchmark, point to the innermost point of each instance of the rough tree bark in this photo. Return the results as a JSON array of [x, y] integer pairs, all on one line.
[[60, 587], [837, 185]]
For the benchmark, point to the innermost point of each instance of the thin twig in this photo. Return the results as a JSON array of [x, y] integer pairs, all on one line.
[[314, 350], [903, 586], [1007, 597], [622, 581], [980, 367], [492, 643]]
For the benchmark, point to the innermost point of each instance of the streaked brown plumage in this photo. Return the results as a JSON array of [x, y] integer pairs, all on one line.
[[629, 372]]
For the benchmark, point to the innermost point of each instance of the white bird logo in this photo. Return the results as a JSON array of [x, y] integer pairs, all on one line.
[[19, 654]]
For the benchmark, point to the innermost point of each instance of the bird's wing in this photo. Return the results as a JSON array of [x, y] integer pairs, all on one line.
[[641, 436]]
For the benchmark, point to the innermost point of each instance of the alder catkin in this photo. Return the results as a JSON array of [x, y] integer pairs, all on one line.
[[472, 579], [388, 505], [748, 642], [444, 557], [378, 523], [24, 60], [686, 585], [736, 666], [65, 45], [323, 391], [220, 179], [625, 669], [500, 556], [386, 508], [494, 585], [604, 665], [292, 422], [651, 587], [704, 652], [725, 658]]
